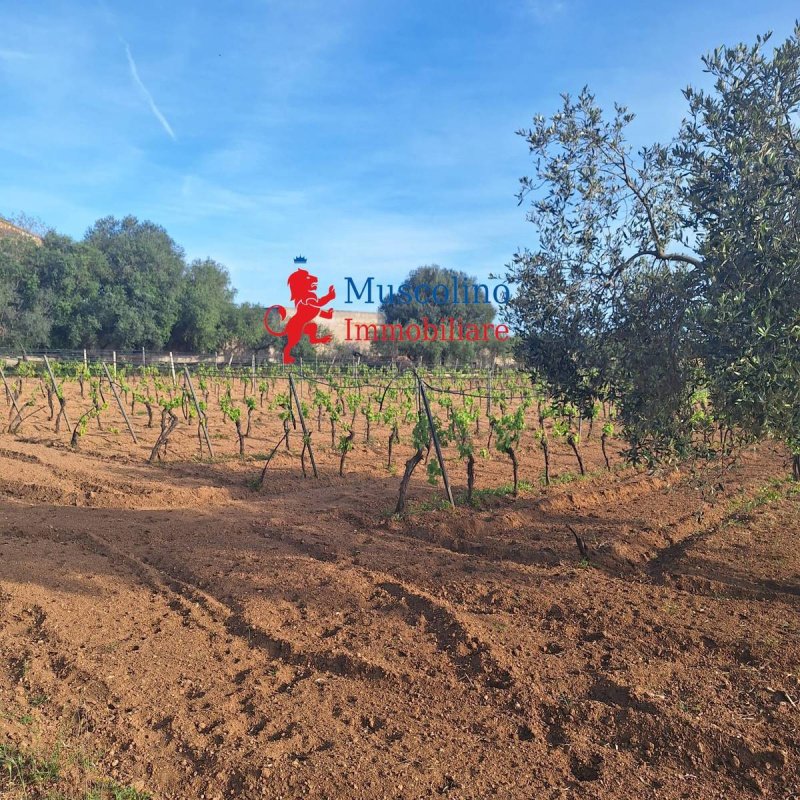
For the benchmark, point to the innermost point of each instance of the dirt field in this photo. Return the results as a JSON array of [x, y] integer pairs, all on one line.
[[169, 631]]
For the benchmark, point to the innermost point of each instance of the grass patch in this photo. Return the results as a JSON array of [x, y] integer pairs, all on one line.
[[20, 770], [113, 791], [437, 504], [564, 477], [38, 700], [775, 490], [505, 490]]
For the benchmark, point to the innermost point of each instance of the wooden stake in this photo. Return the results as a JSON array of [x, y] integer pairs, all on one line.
[[306, 434], [200, 415], [172, 368], [10, 393], [436, 443], [61, 409], [119, 403]]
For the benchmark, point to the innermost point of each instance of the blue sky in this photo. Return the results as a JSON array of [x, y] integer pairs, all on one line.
[[372, 137]]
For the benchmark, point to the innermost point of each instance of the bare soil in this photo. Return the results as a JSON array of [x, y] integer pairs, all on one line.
[[172, 629]]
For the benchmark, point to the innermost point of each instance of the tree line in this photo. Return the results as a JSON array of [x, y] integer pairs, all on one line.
[[125, 285], [668, 274]]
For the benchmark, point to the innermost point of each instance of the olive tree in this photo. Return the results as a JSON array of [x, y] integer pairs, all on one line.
[[741, 147], [665, 268]]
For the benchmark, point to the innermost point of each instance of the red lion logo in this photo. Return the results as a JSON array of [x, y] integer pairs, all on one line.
[[303, 289]]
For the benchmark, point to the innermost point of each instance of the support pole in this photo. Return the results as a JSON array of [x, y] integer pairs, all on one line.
[[10, 393], [172, 368], [119, 403], [253, 373], [306, 434], [114, 358], [61, 409], [201, 418], [436, 444]]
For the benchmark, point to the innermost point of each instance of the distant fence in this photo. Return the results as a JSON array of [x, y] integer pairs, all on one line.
[[136, 358], [239, 361]]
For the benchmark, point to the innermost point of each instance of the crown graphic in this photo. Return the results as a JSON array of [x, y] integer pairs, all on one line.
[[300, 260]]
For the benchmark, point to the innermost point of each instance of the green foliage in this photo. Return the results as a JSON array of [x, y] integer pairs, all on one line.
[[36, 774], [421, 434], [126, 285], [229, 409], [345, 444], [741, 145], [674, 267], [462, 424], [24, 769], [508, 429], [146, 270], [415, 311], [206, 307], [283, 402], [24, 319]]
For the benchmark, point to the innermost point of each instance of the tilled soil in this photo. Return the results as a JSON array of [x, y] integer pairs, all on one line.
[[173, 629]]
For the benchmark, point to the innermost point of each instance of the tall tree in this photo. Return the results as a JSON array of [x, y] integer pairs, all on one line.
[[669, 267], [422, 285], [25, 306], [148, 269], [206, 304], [741, 147], [613, 250], [73, 275]]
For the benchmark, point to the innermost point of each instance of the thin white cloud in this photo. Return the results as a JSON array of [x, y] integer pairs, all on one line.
[[152, 103]]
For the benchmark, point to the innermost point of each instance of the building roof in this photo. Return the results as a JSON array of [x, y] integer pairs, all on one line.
[[9, 230]]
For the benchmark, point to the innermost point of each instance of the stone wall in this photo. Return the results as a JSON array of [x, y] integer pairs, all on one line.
[[338, 327]]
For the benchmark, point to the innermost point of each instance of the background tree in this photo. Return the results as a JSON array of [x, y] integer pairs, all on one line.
[[24, 304], [147, 269], [415, 311], [72, 275], [206, 308]]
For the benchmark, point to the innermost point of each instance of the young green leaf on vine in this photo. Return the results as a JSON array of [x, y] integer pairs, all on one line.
[[420, 437], [462, 421], [508, 429], [232, 412]]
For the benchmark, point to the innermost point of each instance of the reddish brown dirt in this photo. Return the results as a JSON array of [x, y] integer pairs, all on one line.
[[196, 638]]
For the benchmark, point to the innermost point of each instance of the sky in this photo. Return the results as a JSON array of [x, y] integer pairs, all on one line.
[[371, 137]]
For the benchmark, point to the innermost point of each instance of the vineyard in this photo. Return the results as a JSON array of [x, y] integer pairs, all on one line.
[[493, 425], [360, 582]]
